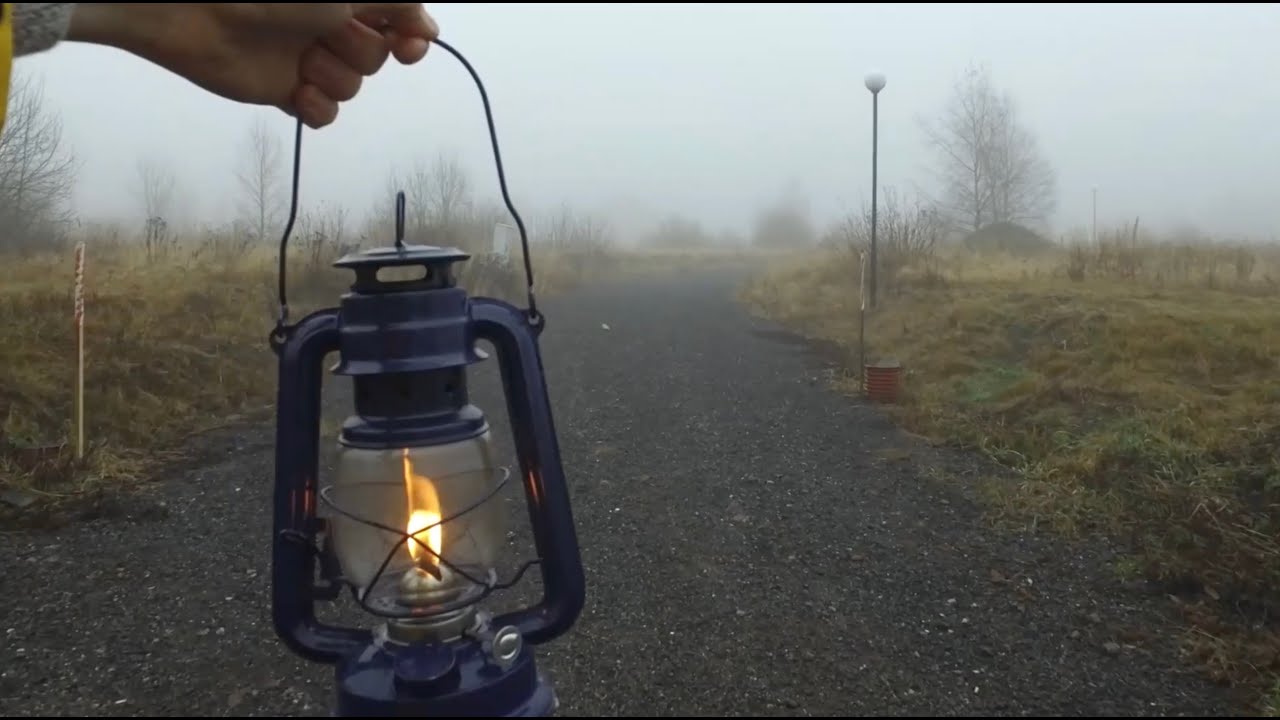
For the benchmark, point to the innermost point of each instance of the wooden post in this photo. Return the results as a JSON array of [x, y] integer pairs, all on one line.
[[79, 315]]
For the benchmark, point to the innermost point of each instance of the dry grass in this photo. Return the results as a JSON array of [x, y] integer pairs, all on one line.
[[1133, 388], [649, 261], [173, 346]]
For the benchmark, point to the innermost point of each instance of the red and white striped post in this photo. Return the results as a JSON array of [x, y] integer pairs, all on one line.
[[79, 316]]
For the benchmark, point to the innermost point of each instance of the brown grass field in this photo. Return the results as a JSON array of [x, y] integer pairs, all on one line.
[[174, 346], [1130, 387]]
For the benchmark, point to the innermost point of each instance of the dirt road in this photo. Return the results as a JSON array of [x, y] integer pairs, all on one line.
[[754, 544]]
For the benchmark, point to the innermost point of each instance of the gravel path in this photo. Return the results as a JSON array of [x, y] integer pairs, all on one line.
[[754, 543]]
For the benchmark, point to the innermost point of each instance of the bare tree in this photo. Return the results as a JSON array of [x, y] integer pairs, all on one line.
[[37, 173], [261, 181], [784, 225], [989, 164], [415, 183], [157, 185], [438, 196], [448, 194]]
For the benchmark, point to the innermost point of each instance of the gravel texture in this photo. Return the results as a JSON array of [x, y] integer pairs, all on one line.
[[755, 544]]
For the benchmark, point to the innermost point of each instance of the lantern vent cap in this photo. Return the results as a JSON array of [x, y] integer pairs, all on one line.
[[436, 262], [398, 255]]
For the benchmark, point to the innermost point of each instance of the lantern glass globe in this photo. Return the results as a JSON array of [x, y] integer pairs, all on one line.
[[421, 492]]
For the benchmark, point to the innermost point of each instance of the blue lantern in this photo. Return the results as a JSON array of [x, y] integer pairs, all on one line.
[[410, 522]]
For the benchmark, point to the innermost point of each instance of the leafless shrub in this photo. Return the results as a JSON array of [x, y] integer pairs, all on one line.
[[679, 232], [321, 235], [784, 224], [907, 236], [1178, 258]]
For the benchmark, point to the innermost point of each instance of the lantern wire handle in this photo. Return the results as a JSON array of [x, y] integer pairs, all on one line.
[[535, 318]]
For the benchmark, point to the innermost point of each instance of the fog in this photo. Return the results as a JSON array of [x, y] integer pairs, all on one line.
[[634, 111]]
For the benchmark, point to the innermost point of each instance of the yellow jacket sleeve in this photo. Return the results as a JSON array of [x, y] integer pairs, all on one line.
[[6, 56]]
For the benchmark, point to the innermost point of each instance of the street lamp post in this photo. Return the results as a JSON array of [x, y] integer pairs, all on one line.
[[875, 83]]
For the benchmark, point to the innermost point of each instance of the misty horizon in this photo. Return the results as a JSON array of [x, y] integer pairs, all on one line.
[[634, 112]]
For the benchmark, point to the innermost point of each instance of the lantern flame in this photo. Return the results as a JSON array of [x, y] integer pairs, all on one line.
[[424, 520]]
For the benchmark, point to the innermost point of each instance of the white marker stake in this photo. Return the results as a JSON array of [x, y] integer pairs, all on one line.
[[862, 278], [79, 312], [501, 245]]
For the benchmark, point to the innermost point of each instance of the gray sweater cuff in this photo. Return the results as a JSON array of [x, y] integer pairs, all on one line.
[[39, 26]]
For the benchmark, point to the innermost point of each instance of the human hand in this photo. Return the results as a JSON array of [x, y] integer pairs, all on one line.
[[304, 58]]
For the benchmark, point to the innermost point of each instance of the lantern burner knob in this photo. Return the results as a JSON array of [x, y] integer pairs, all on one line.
[[506, 646]]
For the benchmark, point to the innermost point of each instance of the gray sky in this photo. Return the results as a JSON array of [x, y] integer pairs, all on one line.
[[633, 110]]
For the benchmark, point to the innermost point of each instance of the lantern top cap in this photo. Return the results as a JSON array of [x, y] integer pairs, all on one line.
[[428, 255]]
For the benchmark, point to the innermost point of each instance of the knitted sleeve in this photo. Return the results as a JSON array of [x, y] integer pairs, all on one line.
[[6, 56], [39, 26]]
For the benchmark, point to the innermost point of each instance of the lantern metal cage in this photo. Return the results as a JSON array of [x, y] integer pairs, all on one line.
[[480, 587]]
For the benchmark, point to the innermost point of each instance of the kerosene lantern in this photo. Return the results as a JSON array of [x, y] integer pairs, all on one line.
[[411, 522]]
